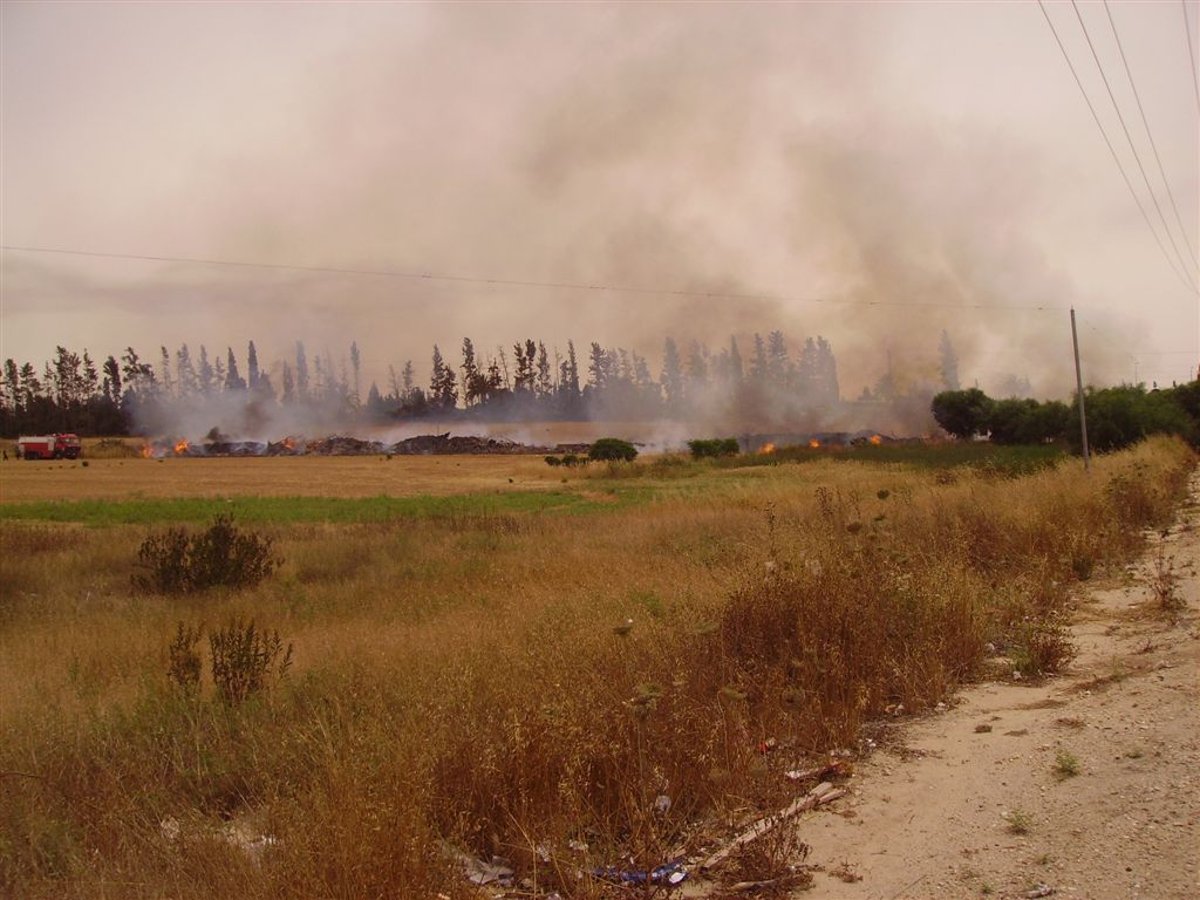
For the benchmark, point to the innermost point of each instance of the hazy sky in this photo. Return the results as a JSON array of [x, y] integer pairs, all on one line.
[[890, 153]]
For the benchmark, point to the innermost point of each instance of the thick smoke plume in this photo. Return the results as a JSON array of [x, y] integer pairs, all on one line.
[[751, 150]]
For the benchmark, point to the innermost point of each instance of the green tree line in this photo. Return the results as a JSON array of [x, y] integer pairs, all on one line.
[[1116, 416]]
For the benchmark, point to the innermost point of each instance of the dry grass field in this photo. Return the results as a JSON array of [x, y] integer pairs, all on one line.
[[488, 660], [309, 476]]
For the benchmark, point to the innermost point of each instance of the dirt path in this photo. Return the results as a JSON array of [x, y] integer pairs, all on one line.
[[939, 817]]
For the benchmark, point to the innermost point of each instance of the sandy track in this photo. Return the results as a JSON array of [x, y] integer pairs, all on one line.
[[931, 815]]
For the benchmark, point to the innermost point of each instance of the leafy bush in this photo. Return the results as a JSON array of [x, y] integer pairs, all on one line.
[[714, 448], [1117, 417], [1187, 398], [180, 563], [1120, 416], [570, 460], [613, 450], [1014, 421], [243, 657], [963, 414]]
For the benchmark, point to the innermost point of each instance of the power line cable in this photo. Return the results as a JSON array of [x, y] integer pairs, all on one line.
[[1137, 157], [1150, 136], [510, 282], [1112, 150], [1187, 29]]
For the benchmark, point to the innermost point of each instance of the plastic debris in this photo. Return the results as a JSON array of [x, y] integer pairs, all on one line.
[[497, 872], [1040, 890], [671, 873]]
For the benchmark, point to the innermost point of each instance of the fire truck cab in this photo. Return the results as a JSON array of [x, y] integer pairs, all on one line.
[[49, 446]]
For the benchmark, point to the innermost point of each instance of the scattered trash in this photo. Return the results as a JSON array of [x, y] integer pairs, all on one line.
[[1040, 890], [662, 803], [837, 769], [169, 827], [823, 793], [498, 871], [845, 872], [237, 834], [668, 873]]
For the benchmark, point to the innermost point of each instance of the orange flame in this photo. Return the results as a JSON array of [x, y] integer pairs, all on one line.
[[147, 451], [290, 443], [814, 444], [766, 449], [181, 447], [875, 439]]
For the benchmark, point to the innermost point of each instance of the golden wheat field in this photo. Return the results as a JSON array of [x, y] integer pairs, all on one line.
[[467, 658]]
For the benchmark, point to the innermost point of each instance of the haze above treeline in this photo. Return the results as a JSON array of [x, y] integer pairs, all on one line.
[[872, 173]]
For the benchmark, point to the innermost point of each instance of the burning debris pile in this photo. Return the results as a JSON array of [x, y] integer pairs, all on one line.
[[765, 444], [216, 444], [444, 443], [345, 445]]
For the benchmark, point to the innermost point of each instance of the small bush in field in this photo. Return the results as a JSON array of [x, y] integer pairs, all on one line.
[[1019, 821], [1164, 583], [244, 658], [713, 449], [178, 563], [1066, 765], [570, 460], [184, 666], [1042, 647], [613, 450]]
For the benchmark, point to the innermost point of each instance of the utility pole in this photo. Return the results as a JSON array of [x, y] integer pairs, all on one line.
[[1087, 462]]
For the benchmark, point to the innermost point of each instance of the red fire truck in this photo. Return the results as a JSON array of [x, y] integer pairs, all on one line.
[[49, 446]]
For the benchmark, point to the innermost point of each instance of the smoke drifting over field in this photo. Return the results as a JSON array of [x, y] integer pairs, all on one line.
[[765, 151]]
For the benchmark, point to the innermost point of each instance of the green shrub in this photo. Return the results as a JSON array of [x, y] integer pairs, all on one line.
[[1120, 416], [570, 460], [1014, 421], [963, 414], [613, 450], [177, 562], [714, 448]]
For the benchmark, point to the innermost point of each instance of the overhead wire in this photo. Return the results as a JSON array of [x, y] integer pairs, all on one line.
[[1150, 136], [511, 282], [1187, 29], [1137, 157], [1112, 150]]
